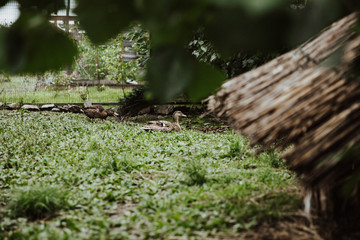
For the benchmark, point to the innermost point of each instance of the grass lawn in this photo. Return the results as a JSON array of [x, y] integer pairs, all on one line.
[[21, 89], [64, 177]]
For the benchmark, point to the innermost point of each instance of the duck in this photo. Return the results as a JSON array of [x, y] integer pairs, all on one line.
[[165, 126], [95, 113], [98, 111], [99, 107], [74, 109]]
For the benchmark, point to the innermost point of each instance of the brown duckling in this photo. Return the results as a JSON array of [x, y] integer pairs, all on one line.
[[165, 126]]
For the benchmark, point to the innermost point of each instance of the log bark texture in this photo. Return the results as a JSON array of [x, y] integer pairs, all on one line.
[[299, 100]]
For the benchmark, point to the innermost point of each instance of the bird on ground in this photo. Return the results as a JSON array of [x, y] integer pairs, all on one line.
[[97, 111], [99, 107], [74, 109], [165, 126]]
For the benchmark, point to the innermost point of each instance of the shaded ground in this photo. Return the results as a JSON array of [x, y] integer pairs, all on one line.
[[296, 227]]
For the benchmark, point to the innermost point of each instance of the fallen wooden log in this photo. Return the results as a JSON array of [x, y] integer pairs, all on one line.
[[310, 106]]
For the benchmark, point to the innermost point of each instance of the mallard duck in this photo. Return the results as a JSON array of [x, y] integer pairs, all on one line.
[[99, 107], [165, 126], [74, 109], [97, 111]]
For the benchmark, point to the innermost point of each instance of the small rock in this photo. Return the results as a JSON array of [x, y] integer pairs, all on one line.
[[47, 107], [164, 109], [13, 106], [55, 110], [30, 107]]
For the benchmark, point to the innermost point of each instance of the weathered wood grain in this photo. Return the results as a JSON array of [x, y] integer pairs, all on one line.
[[308, 104]]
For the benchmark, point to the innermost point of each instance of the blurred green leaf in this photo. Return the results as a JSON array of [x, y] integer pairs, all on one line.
[[255, 7], [103, 20], [32, 45], [262, 6], [206, 81], [170, 70], [172, 21], [51, 6], [233, 30], [173, 70]]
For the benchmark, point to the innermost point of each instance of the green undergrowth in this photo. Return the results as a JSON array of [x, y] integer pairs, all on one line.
[[37, 202], [65, 177]]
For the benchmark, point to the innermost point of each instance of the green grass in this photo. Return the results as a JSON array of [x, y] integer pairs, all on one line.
[[37, 202], [125, 183], [21, 89]]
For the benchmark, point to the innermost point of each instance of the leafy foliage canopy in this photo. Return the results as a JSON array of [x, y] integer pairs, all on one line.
[[31, 44]]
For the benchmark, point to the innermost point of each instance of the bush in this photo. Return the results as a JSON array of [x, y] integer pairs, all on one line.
[[37, 202]]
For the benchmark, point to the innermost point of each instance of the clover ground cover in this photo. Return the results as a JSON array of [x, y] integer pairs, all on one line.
[[64, 177]]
